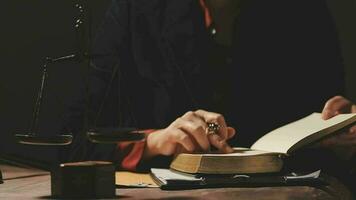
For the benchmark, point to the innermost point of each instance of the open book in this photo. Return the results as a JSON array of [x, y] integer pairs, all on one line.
[[266, 154]]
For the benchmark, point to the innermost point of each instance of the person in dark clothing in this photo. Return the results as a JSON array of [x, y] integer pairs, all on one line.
[[174, 65]]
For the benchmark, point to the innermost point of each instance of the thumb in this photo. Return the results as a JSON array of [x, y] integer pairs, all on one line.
[[327, 114]]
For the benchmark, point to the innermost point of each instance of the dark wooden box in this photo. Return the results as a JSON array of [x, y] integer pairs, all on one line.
[[89, 179]]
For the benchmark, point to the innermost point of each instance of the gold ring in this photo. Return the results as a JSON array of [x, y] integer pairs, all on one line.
[[212, 128]]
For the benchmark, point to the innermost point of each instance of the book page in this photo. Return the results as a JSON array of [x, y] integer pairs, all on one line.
[[238, 152], [299, 133], [165, 175]]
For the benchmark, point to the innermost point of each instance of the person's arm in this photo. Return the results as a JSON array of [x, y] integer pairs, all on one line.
[[187, 133], [130, 153]]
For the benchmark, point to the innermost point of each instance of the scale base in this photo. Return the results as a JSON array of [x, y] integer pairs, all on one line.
[[87, 179]]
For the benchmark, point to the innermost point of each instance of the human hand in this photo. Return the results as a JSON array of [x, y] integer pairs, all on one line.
[[343, 144], [189, 134], [337, 105]]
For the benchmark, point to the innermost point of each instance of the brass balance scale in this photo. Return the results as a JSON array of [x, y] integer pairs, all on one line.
[[62, 178]]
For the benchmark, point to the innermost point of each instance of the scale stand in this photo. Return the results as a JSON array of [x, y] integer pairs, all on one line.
[[32, 138], [96, 135]]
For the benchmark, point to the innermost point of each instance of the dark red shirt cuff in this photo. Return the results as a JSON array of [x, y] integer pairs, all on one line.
[[131, 153]]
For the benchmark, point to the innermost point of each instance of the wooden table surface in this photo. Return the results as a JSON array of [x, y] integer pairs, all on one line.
[[29, 183]]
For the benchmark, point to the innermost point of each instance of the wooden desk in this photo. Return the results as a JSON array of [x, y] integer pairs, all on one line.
[[27, 183]]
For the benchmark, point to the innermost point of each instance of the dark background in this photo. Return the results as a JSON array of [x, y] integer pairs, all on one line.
[[34, 29]]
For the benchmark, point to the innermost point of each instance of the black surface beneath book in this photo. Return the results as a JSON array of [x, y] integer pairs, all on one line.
[[268, 182], [215, 181]]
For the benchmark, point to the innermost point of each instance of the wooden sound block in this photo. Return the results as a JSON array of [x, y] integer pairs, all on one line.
[[89, 179]]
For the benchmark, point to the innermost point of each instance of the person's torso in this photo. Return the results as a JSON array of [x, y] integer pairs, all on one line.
[[260, 80]]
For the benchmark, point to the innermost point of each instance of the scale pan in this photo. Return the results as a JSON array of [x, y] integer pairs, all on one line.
[[114, 135], [58, 140]]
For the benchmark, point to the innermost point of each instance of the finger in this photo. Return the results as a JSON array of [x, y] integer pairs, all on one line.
[[220, 143], [230, 132], [180, 137], [353, 129], [211, 117], [334, 106], [341, 140], [196, 127], [353, 109], [196, 131], [192, 116]]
